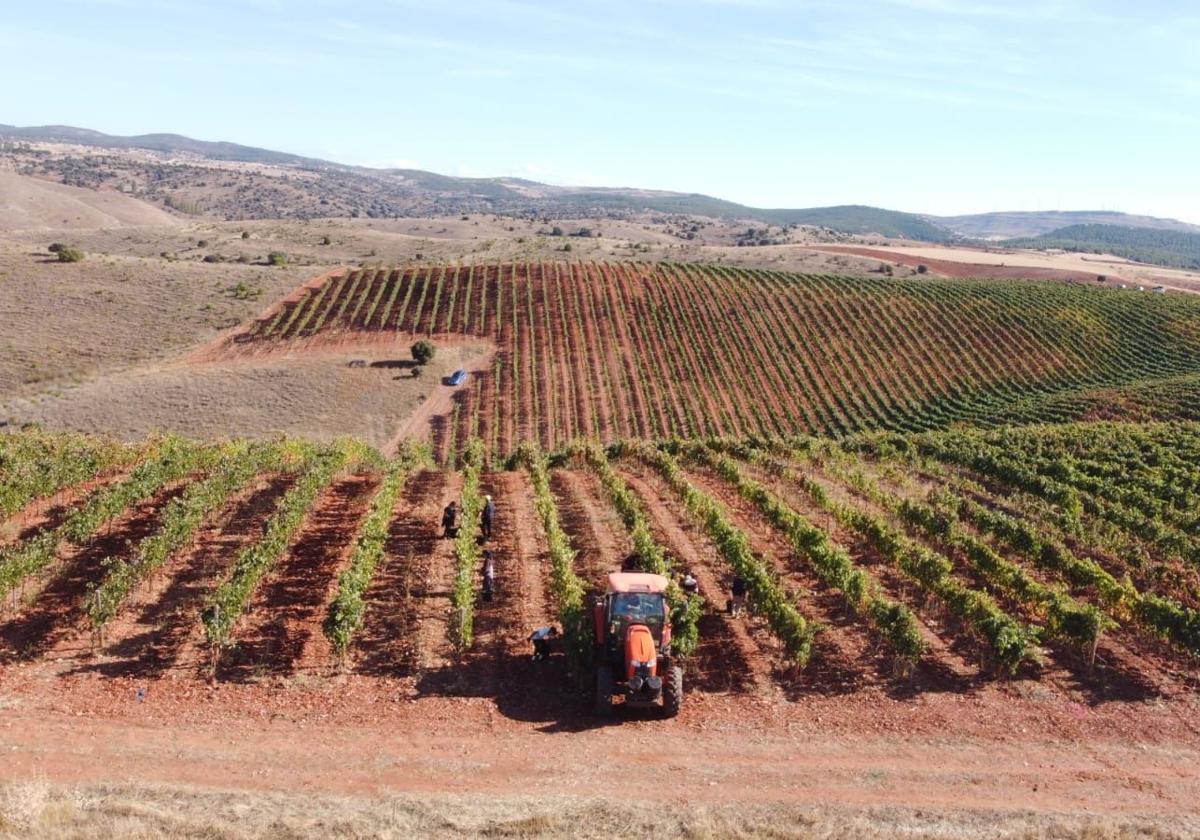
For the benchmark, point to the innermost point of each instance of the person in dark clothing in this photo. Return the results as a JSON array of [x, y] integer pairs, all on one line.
[[450, 520], [489, 575], [738, 603], [489, 513]]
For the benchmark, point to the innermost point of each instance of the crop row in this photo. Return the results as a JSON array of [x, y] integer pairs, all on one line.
[[348, 608], [685, 610], [769, 595], [566, 587], [466, 550], [893, 621], [169, 459], [611, 350], [231, 598]]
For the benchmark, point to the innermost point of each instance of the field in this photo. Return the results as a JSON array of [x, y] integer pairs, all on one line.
[[612, 350], [1042, 581], [961, 627]]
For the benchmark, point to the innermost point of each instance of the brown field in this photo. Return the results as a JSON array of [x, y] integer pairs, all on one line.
[[1000, 262]]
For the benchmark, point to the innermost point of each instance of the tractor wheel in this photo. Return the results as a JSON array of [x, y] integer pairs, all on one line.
[[673, 692], [604, 690]]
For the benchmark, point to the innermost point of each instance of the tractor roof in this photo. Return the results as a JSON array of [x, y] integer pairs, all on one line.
[[636, 582]]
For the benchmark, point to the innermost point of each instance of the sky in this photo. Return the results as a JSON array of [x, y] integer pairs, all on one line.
[[933, 106]]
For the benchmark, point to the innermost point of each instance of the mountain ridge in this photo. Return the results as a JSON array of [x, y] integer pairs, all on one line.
[[412, 191]]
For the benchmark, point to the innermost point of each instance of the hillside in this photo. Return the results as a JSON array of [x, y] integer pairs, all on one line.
[[1010, 225], [302, 188], [34, 204], [662, 350], [1173, 249]]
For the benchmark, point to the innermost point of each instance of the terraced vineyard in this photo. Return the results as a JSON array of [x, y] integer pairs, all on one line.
[[1067, 554], [654, 351]]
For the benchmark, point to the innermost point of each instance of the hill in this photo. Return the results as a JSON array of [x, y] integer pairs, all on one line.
[[169, 143], [31, 203], [1009, 225], [662, 350], [311, 188], [1174, 249]]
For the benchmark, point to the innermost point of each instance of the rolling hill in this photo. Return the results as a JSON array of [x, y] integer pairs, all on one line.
[[1173, 249], [1011, 225], [314, 188]]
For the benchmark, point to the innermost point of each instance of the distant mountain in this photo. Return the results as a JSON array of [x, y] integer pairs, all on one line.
[[168, 143], [322, 188], [1174, 249], [1008, 225]]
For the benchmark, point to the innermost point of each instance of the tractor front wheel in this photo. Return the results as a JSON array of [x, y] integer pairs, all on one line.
[[604, 690], [673, 692]]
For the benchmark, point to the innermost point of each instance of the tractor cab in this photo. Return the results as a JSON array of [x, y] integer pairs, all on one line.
[[632, 650]]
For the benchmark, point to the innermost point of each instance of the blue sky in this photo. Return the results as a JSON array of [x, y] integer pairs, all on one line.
[[941, 106]]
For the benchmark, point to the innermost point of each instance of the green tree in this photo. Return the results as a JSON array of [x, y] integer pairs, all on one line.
[[422, 352]]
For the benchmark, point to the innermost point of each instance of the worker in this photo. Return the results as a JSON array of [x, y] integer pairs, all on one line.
[[737, 604], [690, 585], [489, 575], [543, 639], [632, 563], [489, 513], [450, 519]]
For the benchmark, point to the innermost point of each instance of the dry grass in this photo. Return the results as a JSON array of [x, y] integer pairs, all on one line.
[[317, 397], [40, 809]]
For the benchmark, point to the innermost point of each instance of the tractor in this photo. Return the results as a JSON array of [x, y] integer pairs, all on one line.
[[632, 653]]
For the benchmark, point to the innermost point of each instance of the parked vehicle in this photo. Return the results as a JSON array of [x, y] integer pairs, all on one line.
[[457, 378]]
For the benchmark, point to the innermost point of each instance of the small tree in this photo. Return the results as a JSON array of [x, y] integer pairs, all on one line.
[[325, 240], [245, 234], [68, 254], [921, 269], [276, 258], [422, 352]]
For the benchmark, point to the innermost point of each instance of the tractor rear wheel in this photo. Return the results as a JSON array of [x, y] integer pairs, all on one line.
[[604, 690], [673, 692]]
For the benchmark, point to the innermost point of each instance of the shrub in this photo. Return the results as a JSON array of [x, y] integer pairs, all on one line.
[[276, 258], [921, 269], [245, 234], [422, 352], [55, 247], [68, 254]]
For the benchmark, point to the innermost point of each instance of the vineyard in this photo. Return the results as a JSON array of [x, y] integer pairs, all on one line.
[[614, 351], [1064, 554]]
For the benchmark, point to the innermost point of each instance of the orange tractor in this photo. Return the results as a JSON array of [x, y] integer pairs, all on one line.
[[632, 654]]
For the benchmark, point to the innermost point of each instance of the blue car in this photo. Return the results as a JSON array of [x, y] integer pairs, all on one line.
[[457, 378]]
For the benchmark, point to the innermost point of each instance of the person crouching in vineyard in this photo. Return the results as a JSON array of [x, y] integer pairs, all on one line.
[[489, 575], [543, 640], [450, 520]]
